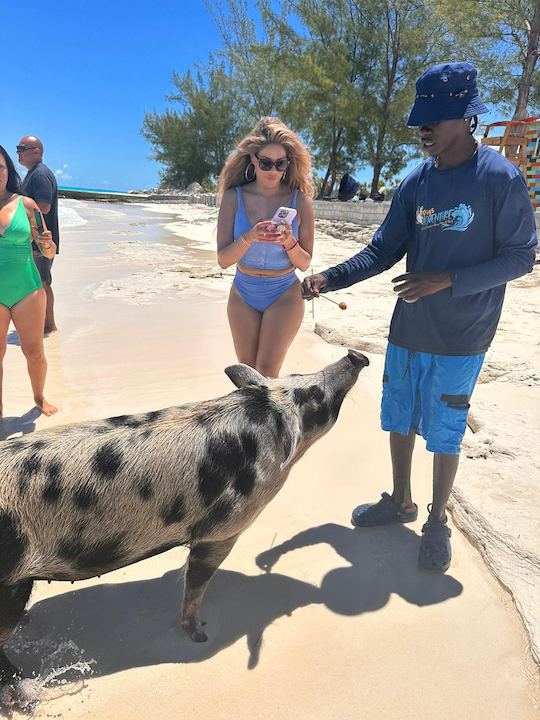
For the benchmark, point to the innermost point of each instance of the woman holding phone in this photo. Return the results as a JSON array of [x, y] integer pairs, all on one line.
[[266, 228], [22, 297]]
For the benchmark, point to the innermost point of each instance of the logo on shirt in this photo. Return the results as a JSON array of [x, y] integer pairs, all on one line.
[[458, 218]]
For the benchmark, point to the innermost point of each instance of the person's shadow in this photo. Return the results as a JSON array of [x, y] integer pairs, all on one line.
[[383, 560], [135, 624], [24, 424]]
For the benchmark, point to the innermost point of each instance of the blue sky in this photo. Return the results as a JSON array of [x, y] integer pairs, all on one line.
[[81, 75]]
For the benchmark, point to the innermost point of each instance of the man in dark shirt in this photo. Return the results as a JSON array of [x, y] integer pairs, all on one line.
[[40, 185], [465, 222]]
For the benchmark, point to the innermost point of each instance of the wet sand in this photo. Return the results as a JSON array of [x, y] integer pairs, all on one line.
[[344, 621]]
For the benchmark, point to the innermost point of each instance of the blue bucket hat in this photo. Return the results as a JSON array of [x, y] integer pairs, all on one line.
[[446, 92]]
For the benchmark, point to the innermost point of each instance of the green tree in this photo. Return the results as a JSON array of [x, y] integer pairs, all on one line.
[[193, 143], [355, 64], [409, 37], [324, 52], [251, 57], [502, 38]]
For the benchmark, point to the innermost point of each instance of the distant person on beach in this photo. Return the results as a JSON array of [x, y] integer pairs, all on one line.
[[464, 220], [269, 169], [22, 297], [40, 185]]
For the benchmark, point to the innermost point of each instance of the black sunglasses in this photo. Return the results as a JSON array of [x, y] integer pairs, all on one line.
[[24, 148], [266, 164]]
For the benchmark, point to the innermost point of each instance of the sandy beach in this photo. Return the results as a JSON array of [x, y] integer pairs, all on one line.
[[344, 621]]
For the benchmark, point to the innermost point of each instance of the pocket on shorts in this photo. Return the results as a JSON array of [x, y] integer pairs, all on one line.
[[456, 402], [447, 431]]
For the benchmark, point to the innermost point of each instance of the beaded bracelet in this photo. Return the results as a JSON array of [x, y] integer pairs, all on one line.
[[244, 240]]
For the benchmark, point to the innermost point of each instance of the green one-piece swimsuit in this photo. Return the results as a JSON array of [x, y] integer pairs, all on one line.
[[18, 272]]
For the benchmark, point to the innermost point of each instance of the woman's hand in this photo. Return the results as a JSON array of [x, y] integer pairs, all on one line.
[[286, 237], [263, 231], [45, 244]]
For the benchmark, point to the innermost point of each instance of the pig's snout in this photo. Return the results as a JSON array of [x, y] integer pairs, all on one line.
[[357, 359]]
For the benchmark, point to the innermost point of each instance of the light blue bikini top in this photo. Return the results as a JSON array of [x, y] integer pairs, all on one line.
[[267, 255]]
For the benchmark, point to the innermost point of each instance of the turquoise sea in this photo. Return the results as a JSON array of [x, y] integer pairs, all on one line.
[[83, 189]]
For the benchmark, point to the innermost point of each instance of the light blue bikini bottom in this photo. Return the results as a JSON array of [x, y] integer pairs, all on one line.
[[260, 292]]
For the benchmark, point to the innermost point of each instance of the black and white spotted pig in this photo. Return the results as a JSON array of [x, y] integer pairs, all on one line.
[[80, 500]]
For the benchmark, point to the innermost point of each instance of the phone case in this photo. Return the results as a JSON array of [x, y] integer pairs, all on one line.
[[39, 222], [284, 215]]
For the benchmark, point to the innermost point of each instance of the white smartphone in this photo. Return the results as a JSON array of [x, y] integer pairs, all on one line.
[[284, 215]]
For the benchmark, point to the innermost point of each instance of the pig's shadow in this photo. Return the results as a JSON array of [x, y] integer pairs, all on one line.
[[134, 624]]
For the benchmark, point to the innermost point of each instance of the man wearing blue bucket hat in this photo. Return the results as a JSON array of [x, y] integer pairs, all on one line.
[[464, 220]]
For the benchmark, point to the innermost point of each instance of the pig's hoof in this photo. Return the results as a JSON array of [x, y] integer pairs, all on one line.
[[198, 636], [194, 632]]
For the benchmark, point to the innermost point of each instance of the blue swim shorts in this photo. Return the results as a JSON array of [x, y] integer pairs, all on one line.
[[428, 394]]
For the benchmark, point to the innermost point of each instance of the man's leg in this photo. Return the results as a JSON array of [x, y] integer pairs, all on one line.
[[444, 473], [50, 325], [401, 451], [44, 266], [397, 409], [446, 393]]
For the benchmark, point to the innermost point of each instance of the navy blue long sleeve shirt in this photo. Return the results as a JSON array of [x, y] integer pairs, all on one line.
[[474, 221]]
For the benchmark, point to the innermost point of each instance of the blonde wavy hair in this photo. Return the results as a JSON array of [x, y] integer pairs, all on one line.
[[269, 131]]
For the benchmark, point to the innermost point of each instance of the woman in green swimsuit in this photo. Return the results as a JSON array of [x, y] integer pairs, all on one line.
[[22, 297]]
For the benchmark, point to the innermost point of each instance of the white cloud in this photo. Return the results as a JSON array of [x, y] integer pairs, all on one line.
[[62, 174]]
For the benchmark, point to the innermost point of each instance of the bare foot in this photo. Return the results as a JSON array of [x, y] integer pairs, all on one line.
[[49, 330], [45, 407]]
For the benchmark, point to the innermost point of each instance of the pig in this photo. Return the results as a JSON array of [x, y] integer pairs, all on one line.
[[81, 500]]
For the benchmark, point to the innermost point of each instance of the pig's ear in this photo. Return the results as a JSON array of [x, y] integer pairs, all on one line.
[[291, 434], [243, 375]]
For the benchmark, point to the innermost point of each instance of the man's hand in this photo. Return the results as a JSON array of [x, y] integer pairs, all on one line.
[[312, 286], [415, 285]]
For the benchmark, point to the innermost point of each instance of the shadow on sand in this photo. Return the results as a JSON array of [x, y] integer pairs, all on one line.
[[134, 624], [24, 424]]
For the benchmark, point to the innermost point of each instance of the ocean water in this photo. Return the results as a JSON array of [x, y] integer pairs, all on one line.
[[68, 217], [84, 189]]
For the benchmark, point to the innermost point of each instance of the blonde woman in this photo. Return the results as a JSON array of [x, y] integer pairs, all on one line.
[[269, 169]]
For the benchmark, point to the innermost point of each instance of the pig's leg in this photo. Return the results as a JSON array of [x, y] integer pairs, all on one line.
[[13, 599], [204, 559]]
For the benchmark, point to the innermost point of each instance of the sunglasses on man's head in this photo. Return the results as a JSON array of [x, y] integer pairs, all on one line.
[[266, 164], [24, 148]]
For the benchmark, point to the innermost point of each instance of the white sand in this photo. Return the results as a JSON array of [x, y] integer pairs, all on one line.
[[345, 622]]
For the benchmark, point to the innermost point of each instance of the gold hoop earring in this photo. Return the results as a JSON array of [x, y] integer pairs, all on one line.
[[250, 176]]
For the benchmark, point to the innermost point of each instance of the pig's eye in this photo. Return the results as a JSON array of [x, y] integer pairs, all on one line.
[[312, 394]]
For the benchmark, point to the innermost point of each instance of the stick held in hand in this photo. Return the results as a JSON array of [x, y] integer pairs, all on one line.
[[341, 305]]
